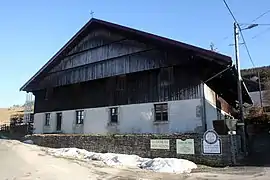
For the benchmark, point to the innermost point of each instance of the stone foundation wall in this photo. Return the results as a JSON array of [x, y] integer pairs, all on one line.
[[140, 145]]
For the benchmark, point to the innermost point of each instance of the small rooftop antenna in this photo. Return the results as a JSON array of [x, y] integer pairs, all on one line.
[[212, 47], [92, 14]]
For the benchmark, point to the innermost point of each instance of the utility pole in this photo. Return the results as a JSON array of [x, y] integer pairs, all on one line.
[[239, 88]]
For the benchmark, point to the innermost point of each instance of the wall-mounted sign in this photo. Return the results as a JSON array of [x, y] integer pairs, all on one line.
[[160, 144], [211, 148], [185, 146], [210, 136], [211, 144]]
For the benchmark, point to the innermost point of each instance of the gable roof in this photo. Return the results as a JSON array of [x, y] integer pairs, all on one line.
[[137, 34]]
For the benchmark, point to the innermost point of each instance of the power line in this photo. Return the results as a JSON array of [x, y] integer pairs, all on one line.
[[261, 15], [230, 11], [254, 24], [267, 29], [245, 44], [241, 33]]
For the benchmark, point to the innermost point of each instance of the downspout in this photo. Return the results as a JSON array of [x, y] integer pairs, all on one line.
[[204, 122]]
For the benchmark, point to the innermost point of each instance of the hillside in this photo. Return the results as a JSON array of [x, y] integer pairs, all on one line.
[[5, 113], [264, 73], [250, 77]]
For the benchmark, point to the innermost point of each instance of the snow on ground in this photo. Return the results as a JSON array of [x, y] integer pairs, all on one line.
[[170, 165], [28, 142]]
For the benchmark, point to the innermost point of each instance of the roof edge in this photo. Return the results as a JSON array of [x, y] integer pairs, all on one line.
[[203, 51], [55, 55]]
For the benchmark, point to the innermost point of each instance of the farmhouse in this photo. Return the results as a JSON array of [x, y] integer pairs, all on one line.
[[113, 79]]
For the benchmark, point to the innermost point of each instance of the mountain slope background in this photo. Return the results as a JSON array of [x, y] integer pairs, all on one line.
[[251, 79]]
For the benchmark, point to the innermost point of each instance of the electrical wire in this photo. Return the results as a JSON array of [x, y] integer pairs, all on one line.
[[243, 39], [241, 33], [254, 24], [261, 15], [248, 52], [267, 29], [230, 11]]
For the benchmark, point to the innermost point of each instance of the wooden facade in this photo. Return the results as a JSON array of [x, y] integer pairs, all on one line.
[[104, 55], [106, 65], [164, 84], [106, 69]]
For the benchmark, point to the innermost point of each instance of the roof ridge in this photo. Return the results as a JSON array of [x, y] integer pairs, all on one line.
[[136, 32]]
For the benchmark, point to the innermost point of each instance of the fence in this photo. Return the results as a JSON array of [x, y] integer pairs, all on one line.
[[4, 128], [19, 129]]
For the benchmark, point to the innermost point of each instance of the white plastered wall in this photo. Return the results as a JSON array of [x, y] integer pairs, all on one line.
[[135, 118]]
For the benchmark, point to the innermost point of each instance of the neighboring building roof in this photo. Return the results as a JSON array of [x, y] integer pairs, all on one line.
[[136, 34], [258, 98]]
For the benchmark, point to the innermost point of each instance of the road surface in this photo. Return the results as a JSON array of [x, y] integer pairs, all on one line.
[[24, 162]]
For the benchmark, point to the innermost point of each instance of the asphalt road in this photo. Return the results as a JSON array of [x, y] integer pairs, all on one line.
[[24, 162], [19, 161], [11, 165]]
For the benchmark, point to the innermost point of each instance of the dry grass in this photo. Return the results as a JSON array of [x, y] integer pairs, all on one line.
[[5, 114]]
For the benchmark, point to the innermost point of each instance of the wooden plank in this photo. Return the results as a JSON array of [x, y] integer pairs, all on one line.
[[140, 87], [118, 66]]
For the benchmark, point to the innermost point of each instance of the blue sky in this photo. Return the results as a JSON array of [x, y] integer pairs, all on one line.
[[32, 31]]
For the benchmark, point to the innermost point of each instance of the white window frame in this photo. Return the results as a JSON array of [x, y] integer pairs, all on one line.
[[79, 119], [47, 119], [111, 114], [162, 111]]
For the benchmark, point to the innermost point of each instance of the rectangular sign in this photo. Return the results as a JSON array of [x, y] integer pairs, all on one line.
[[160, 144], [211, 148], [185, 146]]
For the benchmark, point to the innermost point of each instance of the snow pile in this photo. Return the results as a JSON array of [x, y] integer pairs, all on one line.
[[170, 165], [28, 142], [109, 159]]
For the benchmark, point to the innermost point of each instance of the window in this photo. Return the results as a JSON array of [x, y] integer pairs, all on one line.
[[114, 115], [161, 112], [47, 119], [79, 117]]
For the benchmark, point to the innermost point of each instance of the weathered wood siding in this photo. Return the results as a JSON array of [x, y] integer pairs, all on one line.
[[165, 84], [117, 66], [100, 53], [96, 38], [104, 54]]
